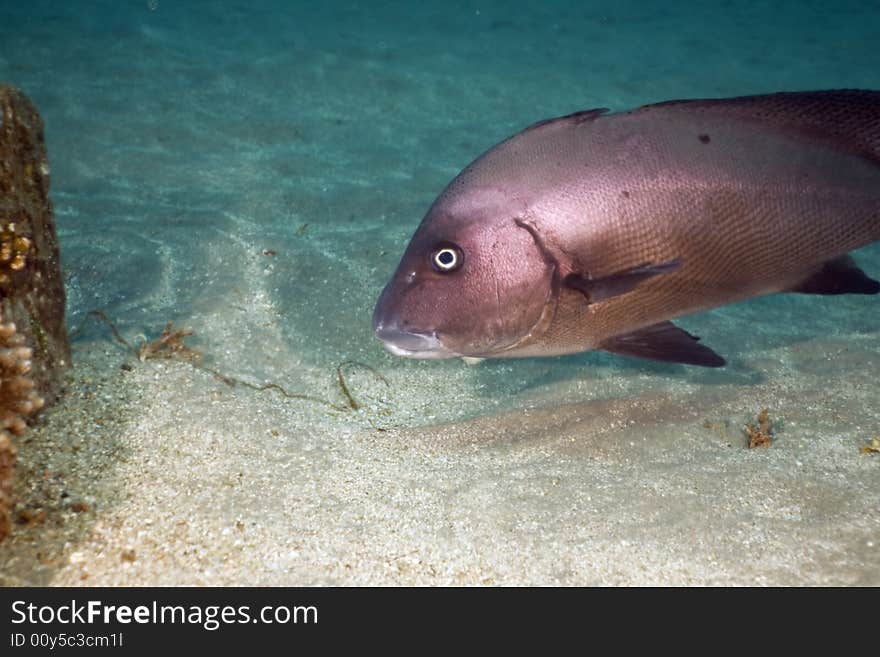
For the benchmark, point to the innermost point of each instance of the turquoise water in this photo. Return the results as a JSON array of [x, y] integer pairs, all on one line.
[[254, 171], [187, 137]]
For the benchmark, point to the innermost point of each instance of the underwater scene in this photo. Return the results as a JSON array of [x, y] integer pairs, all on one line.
[[235, 183]]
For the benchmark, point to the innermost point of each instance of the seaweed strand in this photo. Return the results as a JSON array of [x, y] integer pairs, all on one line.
[[100, 314], [170, 345]]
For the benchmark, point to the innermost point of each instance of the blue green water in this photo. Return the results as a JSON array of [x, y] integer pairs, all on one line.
[[255, 170], [186, 137]]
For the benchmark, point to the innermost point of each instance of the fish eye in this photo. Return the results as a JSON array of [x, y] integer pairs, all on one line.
[[446, 258]]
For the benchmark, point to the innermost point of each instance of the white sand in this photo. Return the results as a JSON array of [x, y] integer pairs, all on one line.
[[212, 485]]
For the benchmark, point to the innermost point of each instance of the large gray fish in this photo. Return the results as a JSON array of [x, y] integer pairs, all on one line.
[[593, 230]]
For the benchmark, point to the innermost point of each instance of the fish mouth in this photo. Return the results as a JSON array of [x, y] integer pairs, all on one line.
[[411, 344]]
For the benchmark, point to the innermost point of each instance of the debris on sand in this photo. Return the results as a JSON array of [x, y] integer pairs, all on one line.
[[170, 345], [873, 448], [759, 436]]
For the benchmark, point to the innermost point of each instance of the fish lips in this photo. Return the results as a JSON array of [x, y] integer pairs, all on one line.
[[411, 345], [401, 342]]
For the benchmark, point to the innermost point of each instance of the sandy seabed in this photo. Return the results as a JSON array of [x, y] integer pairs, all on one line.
[[162, 474]]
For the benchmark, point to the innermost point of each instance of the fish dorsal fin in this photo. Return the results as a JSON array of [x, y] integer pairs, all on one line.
[[575, 118], [849, 118]]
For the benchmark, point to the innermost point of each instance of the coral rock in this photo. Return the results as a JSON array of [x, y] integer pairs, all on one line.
[[34, 348], [7, 463], [18, 401], [31, 287]]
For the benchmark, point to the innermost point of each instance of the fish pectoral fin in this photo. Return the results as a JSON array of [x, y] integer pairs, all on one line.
[[838, 276], [664, 342], [599, 289]]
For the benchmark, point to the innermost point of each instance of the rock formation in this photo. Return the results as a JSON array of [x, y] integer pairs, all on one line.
[[33, 339], [18, 400]]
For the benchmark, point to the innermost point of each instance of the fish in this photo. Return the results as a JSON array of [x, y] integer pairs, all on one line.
[[594, 230]]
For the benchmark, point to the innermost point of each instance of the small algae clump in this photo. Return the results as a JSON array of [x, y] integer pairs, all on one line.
[[170, 345], [759, 435], [873, 447]]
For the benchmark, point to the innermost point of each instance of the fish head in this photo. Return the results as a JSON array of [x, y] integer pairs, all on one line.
[[473, 281]]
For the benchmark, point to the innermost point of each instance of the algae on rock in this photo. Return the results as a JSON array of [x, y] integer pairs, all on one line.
[[18, 401]]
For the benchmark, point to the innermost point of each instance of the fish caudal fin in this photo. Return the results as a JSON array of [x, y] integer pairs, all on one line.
[[664, 342], [838, 276]]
